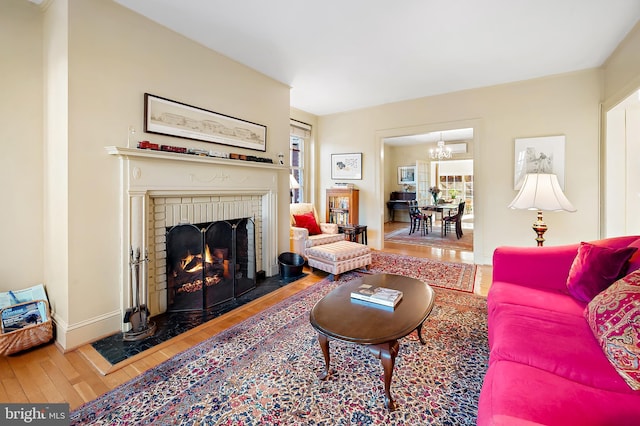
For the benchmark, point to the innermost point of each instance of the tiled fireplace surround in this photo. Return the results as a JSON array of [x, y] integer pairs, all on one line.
[[161, 189]]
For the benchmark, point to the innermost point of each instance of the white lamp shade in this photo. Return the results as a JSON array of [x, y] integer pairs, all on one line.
[[541, 191], [293, 183]]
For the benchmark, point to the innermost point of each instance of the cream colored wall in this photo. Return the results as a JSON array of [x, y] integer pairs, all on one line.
[[115, 56], [21, 178], [621, 74], [620, 146], [100, 59], [565, 104]]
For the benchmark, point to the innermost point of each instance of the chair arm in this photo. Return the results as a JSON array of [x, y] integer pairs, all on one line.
[[329, 228], [298, 237], [297, 233]]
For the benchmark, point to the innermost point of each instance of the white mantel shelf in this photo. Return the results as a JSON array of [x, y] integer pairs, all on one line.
[[163, 155]]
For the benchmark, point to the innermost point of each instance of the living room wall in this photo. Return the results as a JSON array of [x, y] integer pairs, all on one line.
[[108, 57], [565, 104], [21, 161]]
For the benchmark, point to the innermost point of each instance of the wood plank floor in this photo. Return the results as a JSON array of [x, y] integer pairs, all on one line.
[[46, 374]]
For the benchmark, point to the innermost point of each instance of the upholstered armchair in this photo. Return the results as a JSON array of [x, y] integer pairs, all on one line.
[[307, 231]]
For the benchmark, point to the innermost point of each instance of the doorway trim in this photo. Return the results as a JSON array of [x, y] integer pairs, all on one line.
[[381, 135]]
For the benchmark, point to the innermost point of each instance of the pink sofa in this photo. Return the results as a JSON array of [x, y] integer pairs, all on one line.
[[545, 365]]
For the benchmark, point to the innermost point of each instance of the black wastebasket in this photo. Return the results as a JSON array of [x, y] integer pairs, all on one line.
[[290, 265]]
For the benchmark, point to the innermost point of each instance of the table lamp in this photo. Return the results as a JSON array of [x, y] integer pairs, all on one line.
[[541, 191]]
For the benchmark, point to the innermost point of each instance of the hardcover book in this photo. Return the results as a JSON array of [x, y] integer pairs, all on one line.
[[380, 295]]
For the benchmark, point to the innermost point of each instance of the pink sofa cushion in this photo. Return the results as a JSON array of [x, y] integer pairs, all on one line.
[[596, 268], [634, 262], [614, 318], [543, 298], [307, 221], [564, 345], [516, 394]]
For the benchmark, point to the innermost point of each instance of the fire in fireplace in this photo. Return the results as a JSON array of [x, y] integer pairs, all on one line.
[[209, 263]]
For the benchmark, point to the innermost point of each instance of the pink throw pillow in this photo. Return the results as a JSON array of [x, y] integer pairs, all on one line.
[[634, 262], [308, 221], [596, 268], [614, 318]]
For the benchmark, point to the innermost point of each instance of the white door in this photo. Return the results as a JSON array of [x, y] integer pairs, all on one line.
[[422, 182]]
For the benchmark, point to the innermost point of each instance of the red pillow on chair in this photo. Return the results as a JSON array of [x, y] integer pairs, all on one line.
[[308, 221]]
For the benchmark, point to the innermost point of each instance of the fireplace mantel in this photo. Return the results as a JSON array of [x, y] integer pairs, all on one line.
[[163, 155], [148, 175]]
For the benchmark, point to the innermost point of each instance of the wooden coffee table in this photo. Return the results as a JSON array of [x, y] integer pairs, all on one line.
[[337, 316]]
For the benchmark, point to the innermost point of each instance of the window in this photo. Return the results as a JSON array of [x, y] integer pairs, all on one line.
[[298, 134]]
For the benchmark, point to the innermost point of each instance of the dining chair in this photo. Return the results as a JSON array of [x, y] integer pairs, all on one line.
[[419, 219], [454, 220]]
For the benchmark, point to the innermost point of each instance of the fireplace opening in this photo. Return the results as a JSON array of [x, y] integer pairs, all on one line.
[[209, 263]]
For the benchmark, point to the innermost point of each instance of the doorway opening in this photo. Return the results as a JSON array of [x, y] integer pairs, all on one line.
[[441, 183]]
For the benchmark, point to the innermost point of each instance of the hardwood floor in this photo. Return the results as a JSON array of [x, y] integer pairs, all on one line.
[[46, 374]]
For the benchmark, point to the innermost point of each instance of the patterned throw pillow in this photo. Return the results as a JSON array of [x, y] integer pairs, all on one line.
[[308, 221], [614, 318], [596, 268]]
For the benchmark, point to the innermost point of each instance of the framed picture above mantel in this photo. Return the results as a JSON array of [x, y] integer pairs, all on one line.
[[166, 117]]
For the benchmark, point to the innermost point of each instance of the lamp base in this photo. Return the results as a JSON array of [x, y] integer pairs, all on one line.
[[540, 228]]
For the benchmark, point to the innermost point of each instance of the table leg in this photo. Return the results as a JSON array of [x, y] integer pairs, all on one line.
[[422, 340], [324, 345], [387, 353]]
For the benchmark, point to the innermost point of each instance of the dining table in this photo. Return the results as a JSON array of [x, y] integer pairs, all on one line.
[[441, 208]]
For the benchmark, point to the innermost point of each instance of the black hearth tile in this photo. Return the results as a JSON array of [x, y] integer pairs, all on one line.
[[115, 349]]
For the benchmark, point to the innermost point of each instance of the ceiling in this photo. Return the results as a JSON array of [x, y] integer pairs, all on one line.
[[339, 55]]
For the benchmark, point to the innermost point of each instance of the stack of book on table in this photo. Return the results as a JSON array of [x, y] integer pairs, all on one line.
[[378, 295]]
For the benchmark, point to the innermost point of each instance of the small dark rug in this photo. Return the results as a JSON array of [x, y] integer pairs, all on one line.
[[114, 349], [264, 371]]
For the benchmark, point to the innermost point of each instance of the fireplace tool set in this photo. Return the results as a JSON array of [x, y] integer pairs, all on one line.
[[138, 315]]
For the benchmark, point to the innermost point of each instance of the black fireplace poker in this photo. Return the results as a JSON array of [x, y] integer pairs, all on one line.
[[138, 315]]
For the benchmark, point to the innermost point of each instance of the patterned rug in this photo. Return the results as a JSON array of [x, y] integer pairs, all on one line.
[[455, 276], [433, 238], [264, 371]]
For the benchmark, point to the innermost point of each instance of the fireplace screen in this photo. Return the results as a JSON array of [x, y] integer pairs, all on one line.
[[209, 263]]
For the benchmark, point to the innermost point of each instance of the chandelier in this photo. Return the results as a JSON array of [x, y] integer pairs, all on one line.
[[441, 152]]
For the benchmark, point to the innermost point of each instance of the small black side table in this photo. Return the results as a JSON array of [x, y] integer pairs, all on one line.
[[352, 232]]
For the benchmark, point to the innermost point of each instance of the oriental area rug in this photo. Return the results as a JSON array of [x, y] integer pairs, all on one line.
[[264, 371], [433, 238]]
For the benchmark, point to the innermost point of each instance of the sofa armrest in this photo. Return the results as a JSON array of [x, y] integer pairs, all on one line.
[[542, 267], [329, 228]]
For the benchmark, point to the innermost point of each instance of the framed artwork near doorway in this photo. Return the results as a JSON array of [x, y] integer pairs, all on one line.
[[538, 155], [407, 175]]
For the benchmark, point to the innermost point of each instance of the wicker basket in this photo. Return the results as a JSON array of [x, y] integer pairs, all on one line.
[[27, 337]]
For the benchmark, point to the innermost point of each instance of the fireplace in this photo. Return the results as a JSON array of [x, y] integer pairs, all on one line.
[[161, 190], [209, 263]]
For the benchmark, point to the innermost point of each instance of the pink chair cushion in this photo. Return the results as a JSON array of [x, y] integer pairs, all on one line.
[[308, 221], [596, 268], [614, 318]]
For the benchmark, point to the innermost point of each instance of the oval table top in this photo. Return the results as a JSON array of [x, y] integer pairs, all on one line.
[[339, 316]]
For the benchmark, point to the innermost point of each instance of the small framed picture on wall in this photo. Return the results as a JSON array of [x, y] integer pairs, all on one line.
[[406, 175], [346, 166]]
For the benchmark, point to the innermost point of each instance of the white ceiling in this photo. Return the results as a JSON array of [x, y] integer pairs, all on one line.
[[339, 55]]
